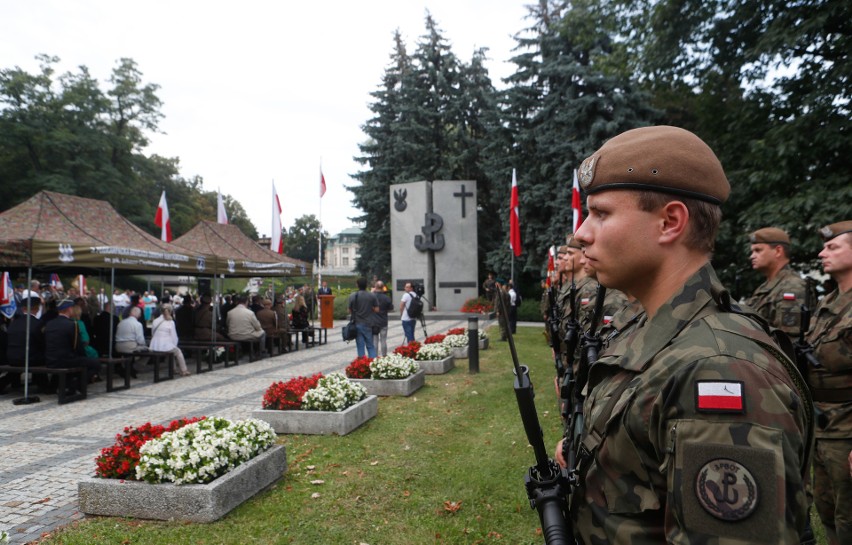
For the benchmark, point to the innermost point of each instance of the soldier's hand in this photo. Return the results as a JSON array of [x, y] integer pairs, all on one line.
[[561, 459], [556, 386]]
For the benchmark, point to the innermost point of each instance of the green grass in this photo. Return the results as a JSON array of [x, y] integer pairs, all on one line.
[[459, 439]]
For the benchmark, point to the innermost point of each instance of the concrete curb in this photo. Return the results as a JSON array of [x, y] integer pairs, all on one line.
[[393, 387], [320, 422]]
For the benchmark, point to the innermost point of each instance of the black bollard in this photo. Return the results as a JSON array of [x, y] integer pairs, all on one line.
[[473, 344]]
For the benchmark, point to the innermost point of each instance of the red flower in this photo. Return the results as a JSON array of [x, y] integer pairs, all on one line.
[[434, 339], [479, 305], [409, 351], [282, 396], [120, 460], [359, 368], [457, 331]]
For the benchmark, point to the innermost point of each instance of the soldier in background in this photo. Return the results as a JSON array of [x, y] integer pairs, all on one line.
[[831, 387], [780, 298], [698, 428]]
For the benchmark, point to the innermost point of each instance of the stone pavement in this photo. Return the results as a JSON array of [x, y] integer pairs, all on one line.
[[45, 448]]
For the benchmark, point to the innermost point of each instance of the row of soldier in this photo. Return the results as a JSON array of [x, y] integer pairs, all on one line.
[[699, 427]]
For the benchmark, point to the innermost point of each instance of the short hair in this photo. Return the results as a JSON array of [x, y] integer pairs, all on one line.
[[167, 312], [241, 299], [704, 217], [361, 283], [136, 312]]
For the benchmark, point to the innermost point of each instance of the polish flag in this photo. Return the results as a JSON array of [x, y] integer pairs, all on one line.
[[162, 221], [55, 282], [221, 214], [720, 396], [276, 243], [81, 284], [322, 184], [576, 205], [514, 219], [551, 266], [789, 296]]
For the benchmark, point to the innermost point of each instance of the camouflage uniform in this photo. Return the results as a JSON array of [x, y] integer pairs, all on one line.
[[614, 301], [779, 300], [707, 440], [831, 386]]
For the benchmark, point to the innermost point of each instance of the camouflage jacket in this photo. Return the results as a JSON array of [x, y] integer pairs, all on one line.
[[707, 440], [614, 301], [831, 384], [566, 304], [779, 301]]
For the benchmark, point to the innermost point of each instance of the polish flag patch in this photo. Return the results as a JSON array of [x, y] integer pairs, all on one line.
[[719, 396], [789, 296], [584, 300]]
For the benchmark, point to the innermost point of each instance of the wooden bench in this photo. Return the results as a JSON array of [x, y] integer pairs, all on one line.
[[111, 363], [61, 373], [198, 346], [156, 358], [311, 331], [255, 349]]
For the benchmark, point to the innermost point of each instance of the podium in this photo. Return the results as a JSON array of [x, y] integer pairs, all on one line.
[[326, 308]]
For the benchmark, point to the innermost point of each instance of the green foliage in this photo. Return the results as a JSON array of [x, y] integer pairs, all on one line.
[[67, 134], [302, 240]]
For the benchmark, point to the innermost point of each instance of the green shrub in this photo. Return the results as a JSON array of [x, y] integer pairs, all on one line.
[[529, 311]]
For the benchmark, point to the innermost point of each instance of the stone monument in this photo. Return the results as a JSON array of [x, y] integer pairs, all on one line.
[[434, 241]]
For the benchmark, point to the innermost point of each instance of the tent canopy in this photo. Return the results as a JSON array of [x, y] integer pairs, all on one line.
[[57, 230], [237, 254]]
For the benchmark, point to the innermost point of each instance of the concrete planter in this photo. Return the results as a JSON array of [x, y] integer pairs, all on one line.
[[190, 502], [460, 352], [393, 387], [437, 367], [483, 344], [320, 422]]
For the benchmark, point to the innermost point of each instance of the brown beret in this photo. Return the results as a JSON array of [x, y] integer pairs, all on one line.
[[769, 235], [835, 229], [665, 159], [562, 250], [572, 242]]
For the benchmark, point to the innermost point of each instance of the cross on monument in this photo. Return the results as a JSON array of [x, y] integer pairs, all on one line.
[[463, 195]]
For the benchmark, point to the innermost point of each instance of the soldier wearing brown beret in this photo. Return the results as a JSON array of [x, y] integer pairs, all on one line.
[[780, 298], [831, 386], [698, 429]]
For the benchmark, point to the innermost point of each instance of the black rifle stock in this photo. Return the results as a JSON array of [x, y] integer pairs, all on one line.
[[554, 314], [546, 483], [588, 355], [804, 351], [572, 337]]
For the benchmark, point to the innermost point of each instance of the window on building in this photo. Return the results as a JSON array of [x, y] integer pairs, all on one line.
[[345, 251], [345, 261]]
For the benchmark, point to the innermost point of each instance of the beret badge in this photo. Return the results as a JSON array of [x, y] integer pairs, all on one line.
[[826, 232], [587, 172]]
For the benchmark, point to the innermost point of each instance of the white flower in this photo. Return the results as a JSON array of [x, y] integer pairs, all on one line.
[[394, 366], [434, 351], [455, 341], [333, 392]]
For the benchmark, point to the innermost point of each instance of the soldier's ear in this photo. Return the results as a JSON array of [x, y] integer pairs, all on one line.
[[673, 218]]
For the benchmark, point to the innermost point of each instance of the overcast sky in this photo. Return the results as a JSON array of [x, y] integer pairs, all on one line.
[[257, 91]]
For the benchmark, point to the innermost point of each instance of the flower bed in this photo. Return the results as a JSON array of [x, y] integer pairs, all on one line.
[[434, 339], [284, 396], [393, 366], [333, 393], [436, 359], [359, 368], [478, 305], [195, 469], [188, 502], [408, 350], [455, 341], [457, 331]]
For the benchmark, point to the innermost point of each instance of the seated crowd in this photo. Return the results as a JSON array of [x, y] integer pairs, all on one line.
[[69, 330]]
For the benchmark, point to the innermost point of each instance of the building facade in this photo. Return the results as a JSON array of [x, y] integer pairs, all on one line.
[[341, 252]]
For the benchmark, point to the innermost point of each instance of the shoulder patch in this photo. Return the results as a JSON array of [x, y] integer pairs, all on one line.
[[789, 296], [719, 396], [726, 489]]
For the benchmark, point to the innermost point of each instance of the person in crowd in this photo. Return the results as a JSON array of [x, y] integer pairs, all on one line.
[[120, 300], [184, 316], [831, 387], [164, 337], [101, 325], [780, 298], [63, 347], [203, 320], [77, 314], [130, 336], [513, 307], [243, 324], [692, 413], [380, 339], [502, 309], [408, 323], [301, 318], [310, 300], [256, 303], [149, 303], [363, 306], [103, 300], [268, 320], [324, 290], [283, 320], [16, 345]]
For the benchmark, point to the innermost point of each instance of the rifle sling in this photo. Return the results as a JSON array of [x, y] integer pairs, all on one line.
[[827, 395]]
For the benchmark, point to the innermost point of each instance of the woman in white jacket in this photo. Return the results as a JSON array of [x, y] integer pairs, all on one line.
[[164, 337]]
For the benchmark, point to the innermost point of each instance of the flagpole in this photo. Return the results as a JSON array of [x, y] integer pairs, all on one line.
[[319, 238]]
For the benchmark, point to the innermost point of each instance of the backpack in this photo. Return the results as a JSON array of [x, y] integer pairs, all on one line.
[[415, 307]]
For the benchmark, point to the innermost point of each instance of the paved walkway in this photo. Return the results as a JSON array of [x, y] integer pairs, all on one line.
[[45, 448]]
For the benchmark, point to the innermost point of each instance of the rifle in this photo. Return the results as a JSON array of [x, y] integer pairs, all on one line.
[[572, 337], [804, 351], [588, 355], [554, 313], [546, 483]]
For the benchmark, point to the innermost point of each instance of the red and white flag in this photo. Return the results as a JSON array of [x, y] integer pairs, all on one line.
[[576, 204], [221, 214], [81, 284], [720, 396], [551, 265], [322, 184], [55, 282], [514, 219], [162, 221], [276, 243]]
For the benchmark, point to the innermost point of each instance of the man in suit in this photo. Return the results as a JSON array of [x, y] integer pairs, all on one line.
[[63, 346]]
